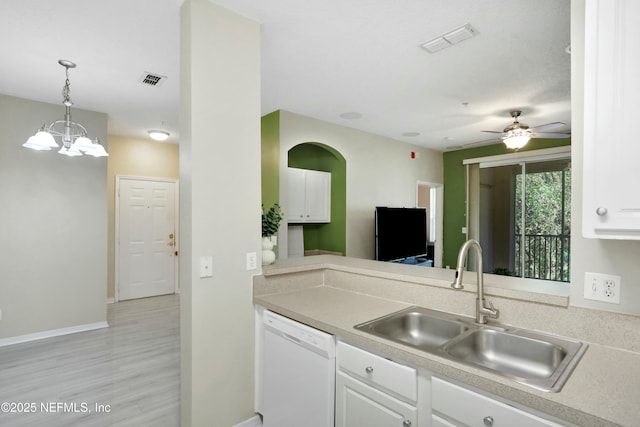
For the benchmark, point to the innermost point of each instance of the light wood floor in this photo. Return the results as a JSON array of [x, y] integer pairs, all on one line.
[[133, 366]]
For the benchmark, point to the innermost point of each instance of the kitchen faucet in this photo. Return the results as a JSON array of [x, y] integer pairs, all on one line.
[[482, 312]]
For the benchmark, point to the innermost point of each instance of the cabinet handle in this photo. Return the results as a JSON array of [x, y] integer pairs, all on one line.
[[406, 423], [601, 211], [488, 421], [368, 369]]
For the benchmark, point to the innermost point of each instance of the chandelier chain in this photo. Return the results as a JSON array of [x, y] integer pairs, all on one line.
[[66, 90]]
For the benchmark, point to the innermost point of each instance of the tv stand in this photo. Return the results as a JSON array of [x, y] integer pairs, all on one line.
[[419, 261]]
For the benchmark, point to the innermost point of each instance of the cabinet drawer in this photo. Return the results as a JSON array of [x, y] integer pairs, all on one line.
[[447, 399], [380, 372]]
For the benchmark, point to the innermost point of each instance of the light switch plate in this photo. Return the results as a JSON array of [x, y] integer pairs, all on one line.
[[252, 262], [206, 266]]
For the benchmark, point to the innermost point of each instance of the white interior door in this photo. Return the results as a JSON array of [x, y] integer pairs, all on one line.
[[146, 238]]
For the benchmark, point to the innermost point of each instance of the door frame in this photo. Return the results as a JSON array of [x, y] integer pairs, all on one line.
[[439, 189], [176, 219]]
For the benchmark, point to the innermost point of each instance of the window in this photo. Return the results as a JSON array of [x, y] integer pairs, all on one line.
[[520, 212]]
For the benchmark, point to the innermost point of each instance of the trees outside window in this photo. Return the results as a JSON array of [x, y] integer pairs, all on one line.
[[526, 219]]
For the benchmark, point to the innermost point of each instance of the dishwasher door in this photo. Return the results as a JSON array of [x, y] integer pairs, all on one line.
[[298, 385]]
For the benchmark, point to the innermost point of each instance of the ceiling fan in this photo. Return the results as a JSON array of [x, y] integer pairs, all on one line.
[[517, 134]]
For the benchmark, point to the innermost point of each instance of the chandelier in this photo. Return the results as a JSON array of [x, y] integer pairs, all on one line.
[[72, 135]]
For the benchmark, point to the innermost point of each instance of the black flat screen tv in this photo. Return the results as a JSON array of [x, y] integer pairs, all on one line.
[[400, 233]]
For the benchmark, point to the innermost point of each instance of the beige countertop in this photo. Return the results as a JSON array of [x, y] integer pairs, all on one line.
[[603, 390]]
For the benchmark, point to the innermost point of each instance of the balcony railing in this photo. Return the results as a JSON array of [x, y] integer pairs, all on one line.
[[546, 256]]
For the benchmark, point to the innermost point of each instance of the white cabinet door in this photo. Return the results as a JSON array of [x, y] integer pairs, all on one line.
[[360, 405], [437, 421], [296, 189], [318, 201], [309, 196], [611, 197]]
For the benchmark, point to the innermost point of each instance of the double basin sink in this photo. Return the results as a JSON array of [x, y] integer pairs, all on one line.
[[536, 359]]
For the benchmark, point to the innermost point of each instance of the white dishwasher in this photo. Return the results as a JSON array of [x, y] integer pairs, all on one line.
[[298, 383]]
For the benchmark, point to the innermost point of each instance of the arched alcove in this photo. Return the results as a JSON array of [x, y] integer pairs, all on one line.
[[330, 237]]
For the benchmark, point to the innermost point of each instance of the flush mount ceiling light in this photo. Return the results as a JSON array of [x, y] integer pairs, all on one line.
[[158, 135], [72, 135]]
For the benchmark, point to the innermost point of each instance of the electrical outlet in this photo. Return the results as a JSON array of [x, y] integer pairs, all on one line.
[[602, 287]]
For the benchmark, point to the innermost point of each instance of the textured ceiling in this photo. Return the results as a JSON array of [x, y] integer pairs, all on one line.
[[320, 58]]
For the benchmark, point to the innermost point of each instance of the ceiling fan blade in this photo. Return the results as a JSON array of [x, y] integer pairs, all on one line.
[[483, 142], [551, 135], [549, 127], [492, 131]]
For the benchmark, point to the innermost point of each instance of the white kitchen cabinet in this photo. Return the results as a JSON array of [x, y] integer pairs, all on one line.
[[373, 391], [453, 405], [309, 195], [611, 198]]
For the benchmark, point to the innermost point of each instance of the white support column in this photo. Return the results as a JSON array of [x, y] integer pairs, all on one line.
[[219, 210]]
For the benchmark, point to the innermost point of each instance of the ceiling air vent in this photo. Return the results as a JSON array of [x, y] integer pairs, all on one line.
[[450, 38], [152, 79]]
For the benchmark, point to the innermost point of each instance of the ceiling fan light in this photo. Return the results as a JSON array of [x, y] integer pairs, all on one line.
[[516, 142], [158, 135]]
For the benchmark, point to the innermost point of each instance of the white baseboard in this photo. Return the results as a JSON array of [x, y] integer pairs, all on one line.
[[52, 333], [254, 421]]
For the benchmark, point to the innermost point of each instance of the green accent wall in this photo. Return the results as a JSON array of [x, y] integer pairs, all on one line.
[[270, 161], [270, 155], [455, 190], [316, 156]]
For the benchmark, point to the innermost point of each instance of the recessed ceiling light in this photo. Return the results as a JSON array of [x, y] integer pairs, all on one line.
[[158, 135], [352, 115], [410, 134]]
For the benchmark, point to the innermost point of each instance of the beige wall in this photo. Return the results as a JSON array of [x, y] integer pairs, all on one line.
[[134, 157], [53, 260], [219, 211], [380, 172]]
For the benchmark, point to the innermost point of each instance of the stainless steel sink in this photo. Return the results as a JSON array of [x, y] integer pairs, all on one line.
[[416, 326], [539, 360]]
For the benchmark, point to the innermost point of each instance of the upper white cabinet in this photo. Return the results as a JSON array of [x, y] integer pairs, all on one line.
[[309, 196], [611, 197]]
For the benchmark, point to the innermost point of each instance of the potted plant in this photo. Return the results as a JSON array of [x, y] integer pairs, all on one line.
[[270, 224]]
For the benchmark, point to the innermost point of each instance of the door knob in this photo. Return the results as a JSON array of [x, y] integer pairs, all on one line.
[[601, 211], [368, 369], [488, 421]]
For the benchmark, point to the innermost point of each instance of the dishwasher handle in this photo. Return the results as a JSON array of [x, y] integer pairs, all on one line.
[[291, 338]]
